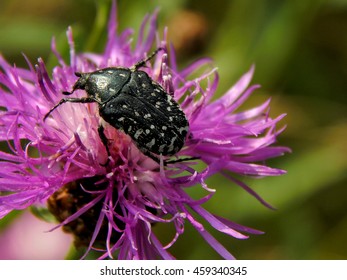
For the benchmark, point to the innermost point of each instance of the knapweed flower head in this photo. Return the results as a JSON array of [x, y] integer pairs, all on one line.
[[113, 207]]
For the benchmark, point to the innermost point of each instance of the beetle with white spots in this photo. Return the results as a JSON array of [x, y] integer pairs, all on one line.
[[131, 101]]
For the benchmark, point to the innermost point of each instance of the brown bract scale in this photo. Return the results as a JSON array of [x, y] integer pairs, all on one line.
[[69, 199]]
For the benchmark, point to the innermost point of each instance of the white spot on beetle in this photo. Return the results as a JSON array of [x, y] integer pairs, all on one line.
[[138, 133], [152, 126], [101, 82], [150, 144], [124, 106], [147, 116], [161, 148], [185, 128], [164, 127], [169, 99], [171, 146], [147, 131], [120, 119], [122, 75]]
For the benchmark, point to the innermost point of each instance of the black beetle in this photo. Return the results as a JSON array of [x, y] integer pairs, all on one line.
[[131, 101]]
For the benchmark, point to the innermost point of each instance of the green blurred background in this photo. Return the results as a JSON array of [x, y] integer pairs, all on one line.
[[299, 48]]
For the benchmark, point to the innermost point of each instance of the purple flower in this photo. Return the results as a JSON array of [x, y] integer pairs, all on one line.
[[113, 208]]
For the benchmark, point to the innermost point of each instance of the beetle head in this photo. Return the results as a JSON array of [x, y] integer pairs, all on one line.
[[80, 83]]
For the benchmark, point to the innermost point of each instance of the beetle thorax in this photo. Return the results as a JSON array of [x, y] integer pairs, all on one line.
[[98, 86]]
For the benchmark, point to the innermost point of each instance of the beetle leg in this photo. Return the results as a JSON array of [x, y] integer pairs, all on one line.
[[180, 160], [74, 100], [143, 62], [149, 154], [166, 162], [104, 141]]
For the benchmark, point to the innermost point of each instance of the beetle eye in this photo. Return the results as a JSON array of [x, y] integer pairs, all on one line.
[[78, 74]]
